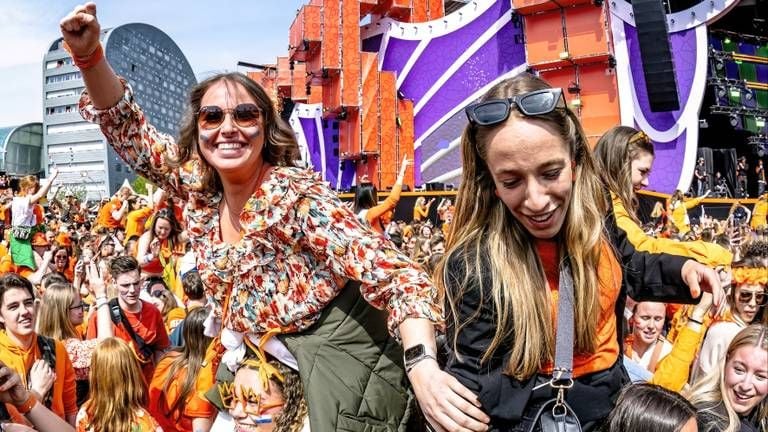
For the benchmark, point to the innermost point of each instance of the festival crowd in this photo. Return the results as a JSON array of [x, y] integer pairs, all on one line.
[[240, 293]]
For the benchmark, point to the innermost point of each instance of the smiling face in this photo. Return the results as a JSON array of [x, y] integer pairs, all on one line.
[[230, 149], [641, 170], [746, 378], [532, 171], [252, 406], [17, 312]]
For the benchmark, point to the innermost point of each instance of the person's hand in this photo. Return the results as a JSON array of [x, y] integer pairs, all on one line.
[[41, 377], [699, 277], [81, 29], [12, 390], [48, 255], [446, 403], [701, 310], [95, 283], [154, 246], [54, 174]]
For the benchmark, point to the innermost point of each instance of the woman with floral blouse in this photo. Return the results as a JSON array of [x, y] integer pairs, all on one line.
[[274, 244]]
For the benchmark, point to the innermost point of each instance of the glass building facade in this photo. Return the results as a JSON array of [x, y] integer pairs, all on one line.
[[21, 149]]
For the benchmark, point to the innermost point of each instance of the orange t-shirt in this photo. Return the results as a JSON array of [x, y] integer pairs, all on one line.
[[148, 324], [64, 399], [609, 281], [104, 217], [160, 402], [135, 221]]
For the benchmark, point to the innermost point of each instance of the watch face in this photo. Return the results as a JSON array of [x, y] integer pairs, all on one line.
[[414, 352]]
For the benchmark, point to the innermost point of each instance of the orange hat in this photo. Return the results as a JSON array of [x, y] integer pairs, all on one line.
[[63, 239], [39, 239]]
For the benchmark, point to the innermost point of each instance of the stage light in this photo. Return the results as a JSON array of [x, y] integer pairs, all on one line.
[[734, 120], [721, 92], [574, 88], [727, 40], [342, 115]]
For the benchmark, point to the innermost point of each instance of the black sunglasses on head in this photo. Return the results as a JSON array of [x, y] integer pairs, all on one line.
[[535, 103]]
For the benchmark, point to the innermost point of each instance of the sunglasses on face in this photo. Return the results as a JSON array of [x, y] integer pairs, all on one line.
[[81, 306], [250, 401], [746, 297], [535, 103], [244, 115]]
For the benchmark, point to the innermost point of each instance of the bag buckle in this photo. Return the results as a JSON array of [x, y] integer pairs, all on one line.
[[558, 382]]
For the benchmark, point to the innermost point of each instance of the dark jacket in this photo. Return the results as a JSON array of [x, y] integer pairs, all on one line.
[[352, 370], [506, 400], [715, 419]]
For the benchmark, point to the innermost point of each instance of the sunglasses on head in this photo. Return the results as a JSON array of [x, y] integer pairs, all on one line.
[[759, 296], [535, 103], [244, 115]]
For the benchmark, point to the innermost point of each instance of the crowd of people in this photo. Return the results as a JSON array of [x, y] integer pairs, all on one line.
[[240, 293]]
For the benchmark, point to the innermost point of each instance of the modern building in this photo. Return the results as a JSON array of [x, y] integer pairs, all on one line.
[[21, 149], [160, 76]]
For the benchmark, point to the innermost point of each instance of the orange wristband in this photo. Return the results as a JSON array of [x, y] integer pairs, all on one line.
[[26, 406], [91, 60]]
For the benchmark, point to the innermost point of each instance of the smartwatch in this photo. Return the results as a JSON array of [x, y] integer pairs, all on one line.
[[415, 354]]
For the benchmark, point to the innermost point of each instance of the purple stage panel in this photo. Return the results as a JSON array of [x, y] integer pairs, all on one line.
[[373, 44], [499, 55], [683, 48], [312, 136], [398, 51], [668, 164], [442, 51], [331, 152]]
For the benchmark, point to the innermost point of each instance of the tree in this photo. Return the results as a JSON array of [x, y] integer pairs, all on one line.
[[139, 185]]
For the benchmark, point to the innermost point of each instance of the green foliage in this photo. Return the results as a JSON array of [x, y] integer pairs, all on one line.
[[139, 185]]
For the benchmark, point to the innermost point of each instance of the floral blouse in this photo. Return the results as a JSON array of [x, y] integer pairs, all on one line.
[[144, 422], [300, 244], [80, 353]]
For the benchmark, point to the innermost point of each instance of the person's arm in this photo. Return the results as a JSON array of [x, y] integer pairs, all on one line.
[[673, 370], [109, 101], [119, 213], [143, 255], [43, 191], [201, 424], [659, 276], [104, 327], [13, 391], [42, 268], [389, 280]]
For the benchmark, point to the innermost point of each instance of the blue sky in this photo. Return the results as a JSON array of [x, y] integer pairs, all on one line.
[[214, 35]]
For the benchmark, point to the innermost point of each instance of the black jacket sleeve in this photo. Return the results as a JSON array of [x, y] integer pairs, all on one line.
[[649, 276]]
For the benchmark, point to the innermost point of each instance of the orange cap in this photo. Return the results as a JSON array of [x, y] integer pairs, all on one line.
[[39, 239]]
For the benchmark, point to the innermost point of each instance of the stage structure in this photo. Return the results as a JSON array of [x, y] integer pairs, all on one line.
[[366, 82]]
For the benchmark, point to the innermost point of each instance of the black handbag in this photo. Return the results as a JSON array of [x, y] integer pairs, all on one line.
[[555, 415]]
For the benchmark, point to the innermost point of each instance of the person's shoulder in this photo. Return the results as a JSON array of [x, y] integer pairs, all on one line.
[[148, 309]]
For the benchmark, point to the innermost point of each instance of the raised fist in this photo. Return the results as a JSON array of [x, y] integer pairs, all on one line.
[[81, 29]]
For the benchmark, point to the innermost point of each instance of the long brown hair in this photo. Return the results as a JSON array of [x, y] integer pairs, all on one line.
[[189, 356], [280, 147], [483, 226], [614, 153], [118, 389]]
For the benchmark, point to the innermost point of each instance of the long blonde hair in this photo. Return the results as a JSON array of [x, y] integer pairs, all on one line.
[[118, 389], [483, 226], [53, 317], [709, 392]]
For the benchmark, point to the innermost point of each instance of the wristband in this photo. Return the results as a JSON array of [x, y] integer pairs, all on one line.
[[89, 61], [26, 406], [691, 319], [100, 297], [148, 258], [98, 305]]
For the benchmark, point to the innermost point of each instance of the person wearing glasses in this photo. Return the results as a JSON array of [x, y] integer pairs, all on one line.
[[274, 244], [530, 199], [746, 301], [62, 312]]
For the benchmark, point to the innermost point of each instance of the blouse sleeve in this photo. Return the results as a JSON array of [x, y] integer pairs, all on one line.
[[137, 142], [389, 280]]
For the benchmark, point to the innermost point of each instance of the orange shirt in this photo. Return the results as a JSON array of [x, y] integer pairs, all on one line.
[[159, 402], [64, 400], [148, 324], [609, 282], [174, 318], [104, 217], [135, 221]]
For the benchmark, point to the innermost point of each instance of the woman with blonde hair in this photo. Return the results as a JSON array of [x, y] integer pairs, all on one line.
[[732, 397], [532, 216], [62, 311], [118, 392]]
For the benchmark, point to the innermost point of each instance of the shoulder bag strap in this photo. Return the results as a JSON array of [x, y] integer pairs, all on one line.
[[119, 318]]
